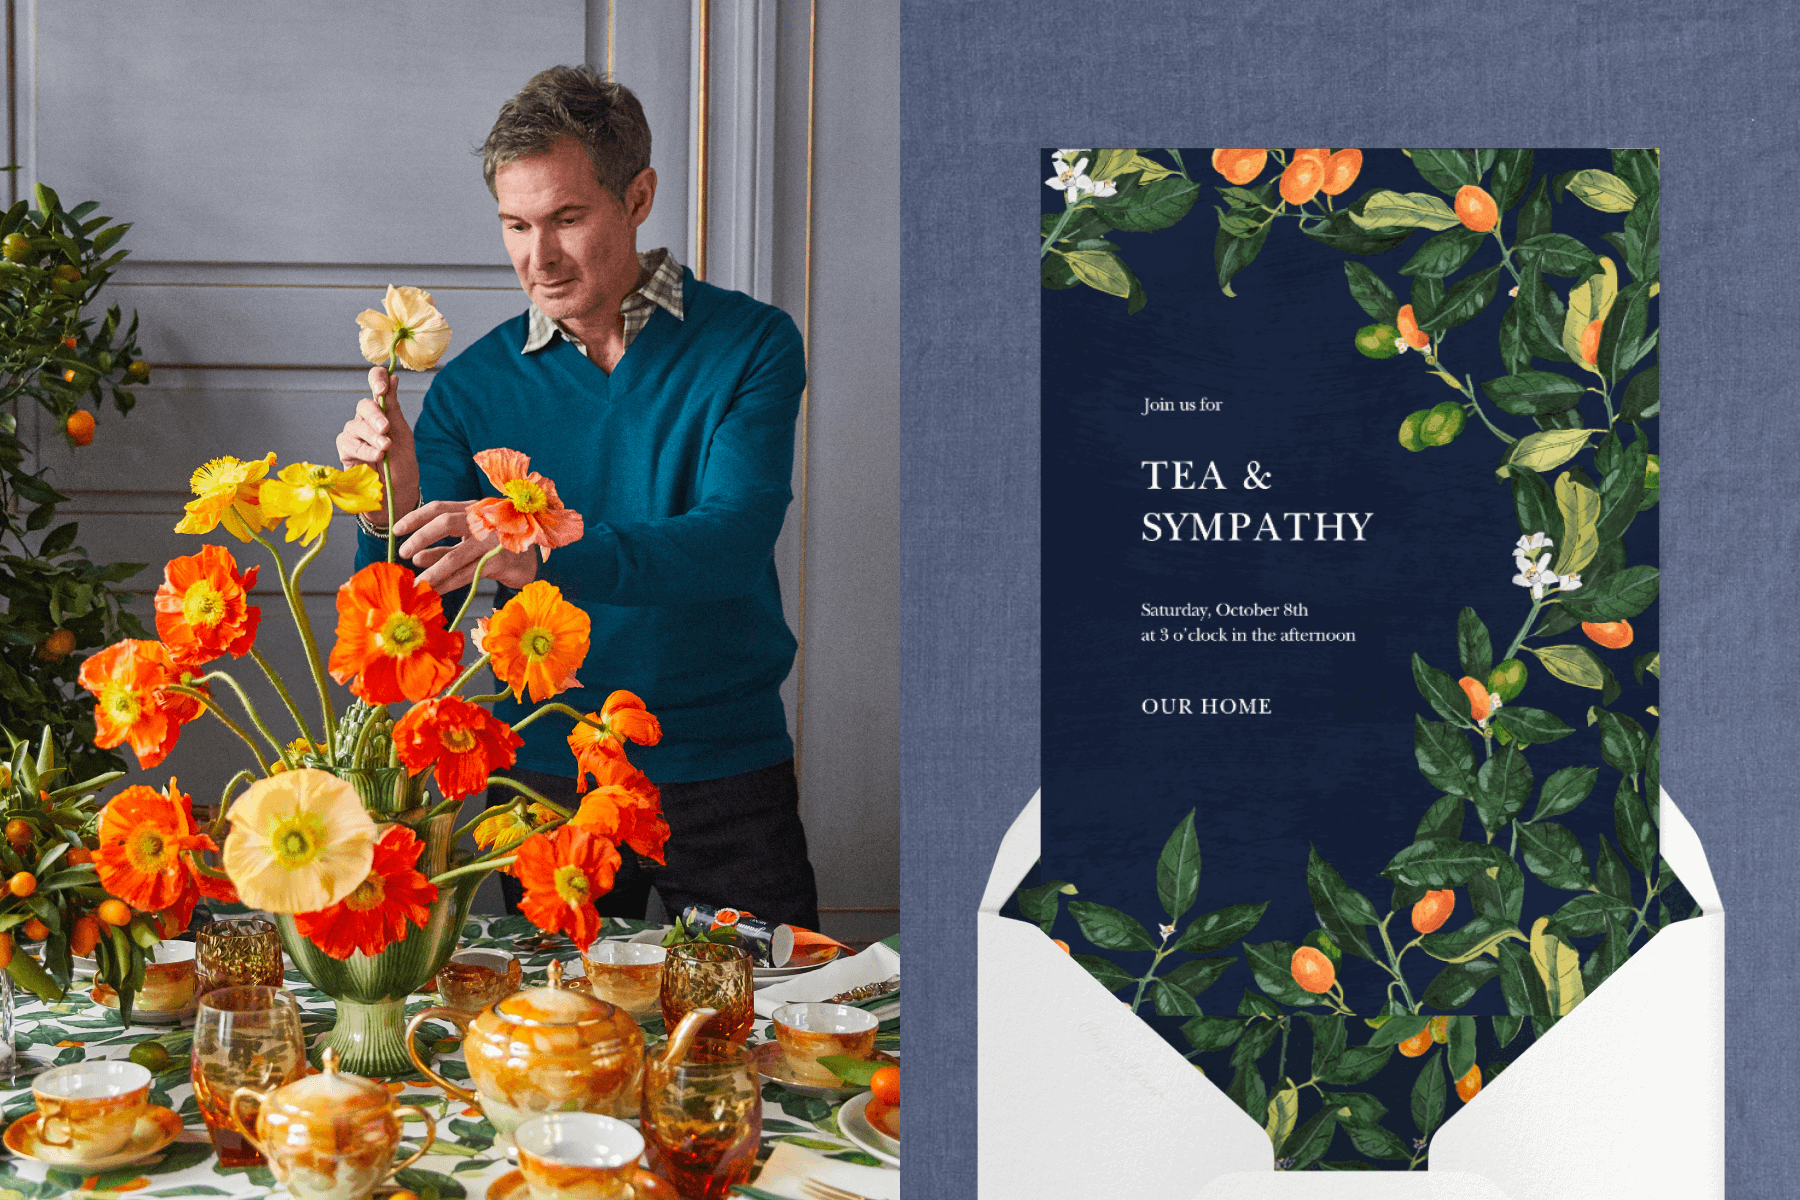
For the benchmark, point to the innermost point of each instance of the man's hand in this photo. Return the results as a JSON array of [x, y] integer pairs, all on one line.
[[374, 433], [447, 568]]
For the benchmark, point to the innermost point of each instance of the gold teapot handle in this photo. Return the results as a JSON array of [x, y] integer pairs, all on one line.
[[249, 1134], [457, 1018], [430, 1137]]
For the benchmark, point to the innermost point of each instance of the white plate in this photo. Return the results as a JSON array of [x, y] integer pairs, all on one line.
[[865, 1137]]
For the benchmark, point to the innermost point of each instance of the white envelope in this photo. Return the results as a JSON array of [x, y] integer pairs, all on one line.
[[1623, 1097]]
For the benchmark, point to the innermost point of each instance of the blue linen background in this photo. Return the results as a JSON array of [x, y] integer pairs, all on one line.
[[985, 87]]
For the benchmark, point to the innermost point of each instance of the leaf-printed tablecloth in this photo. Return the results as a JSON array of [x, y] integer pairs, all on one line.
[[462, 1163]]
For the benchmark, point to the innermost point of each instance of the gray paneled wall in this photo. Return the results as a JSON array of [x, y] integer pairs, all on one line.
[[283, 163]]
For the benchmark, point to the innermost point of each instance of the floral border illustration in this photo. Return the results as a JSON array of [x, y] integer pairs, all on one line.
[[1578, 477]]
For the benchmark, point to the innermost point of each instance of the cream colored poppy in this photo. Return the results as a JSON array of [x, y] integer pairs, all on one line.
[[305, 492], [300, 841], [411, 329]]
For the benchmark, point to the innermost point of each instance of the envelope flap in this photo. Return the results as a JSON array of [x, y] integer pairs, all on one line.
[[1681, 846], [1019, 850]]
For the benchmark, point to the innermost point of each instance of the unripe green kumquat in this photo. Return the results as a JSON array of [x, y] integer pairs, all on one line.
[[1377, 341], [1442, 423], [1410, 436], [1508, 679]]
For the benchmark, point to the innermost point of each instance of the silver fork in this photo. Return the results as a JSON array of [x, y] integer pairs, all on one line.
[[825, 1191]]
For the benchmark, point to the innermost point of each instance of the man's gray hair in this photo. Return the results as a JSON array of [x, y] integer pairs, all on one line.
[[603, 117]]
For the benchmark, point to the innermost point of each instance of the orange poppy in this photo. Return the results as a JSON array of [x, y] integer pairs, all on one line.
[[374, 916], [127, 679], [626, 808], [391, 638], [625, 719], [536, 641], [527, 512], [465, 741], [202, 610], [562, 873], [144, 838]]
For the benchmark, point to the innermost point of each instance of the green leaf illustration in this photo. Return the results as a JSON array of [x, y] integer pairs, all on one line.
[[1466, 300], [1108, 928], [1111, 977], [1623, 743], [1375, 1141], [1474, 649], [1444, 254], [1178, 870], [1608, 956], [1216, 930], [1354, 1108], [1248, 1092], [1502, 787], [1530, 392], [1461, 1051], [1309, 1143], [1404, 209], [1039, 904], [1506, 1029], [1373, 295], [1548, 449], [1533, 726], [1442, 863], [1515, 350], [1233, 254], [1622, 490], [1444, 819], [1640, 240], [1611, 875], [1651, 662], [1446, 170], [1212, 1033], [1458, 982], [1585, 916], [1580, 508], [1536, 506], [1358, 1063], [1444, 756], [1512, 172], [1341, 909], [1110, 164], [1543, 314], [1441, 691], [1637, 837], [1564, 790], [1154, 206], [1397, 1029], [1640, 169], [1573, 664], [1602, 190], [1199, 974], [1559, 966], [1257, 1041], [1556, 254], [1617, 597], [1328, 1042], [1253, 1005], [1468, 942], [1283, 1112], [1171, 1001], [1498, 892], [1428, 1095], [1589, 301], [1534, 217], [1101, 270], [1520, 983], [1555, 856]]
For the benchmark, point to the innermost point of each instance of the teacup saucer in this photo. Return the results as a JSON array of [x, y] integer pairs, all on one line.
[[155, 1129], [512, 1186], [772, 1064], [105, 997]]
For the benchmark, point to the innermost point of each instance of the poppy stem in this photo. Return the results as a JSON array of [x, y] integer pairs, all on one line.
[[297, 605], [218, 824], [281, 690], [473, 667], [539, 711], [249, 709], [215, 710], [387, 470], [492, 864], [469, 596], [516, 786]]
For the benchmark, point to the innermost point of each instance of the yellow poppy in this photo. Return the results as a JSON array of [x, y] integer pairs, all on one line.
[[305, 492], [411, 329], [228, 491], [300, 841]]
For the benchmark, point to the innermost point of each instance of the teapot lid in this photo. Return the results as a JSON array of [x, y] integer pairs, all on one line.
[[552, 1004], [330, 1089]]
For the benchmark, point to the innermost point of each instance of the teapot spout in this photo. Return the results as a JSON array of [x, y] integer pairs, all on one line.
[[679, 1041]]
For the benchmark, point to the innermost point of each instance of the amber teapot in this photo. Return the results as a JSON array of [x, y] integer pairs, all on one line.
[[543, 1050], [330, 1136]]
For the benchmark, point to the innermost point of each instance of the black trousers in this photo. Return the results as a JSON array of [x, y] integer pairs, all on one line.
[[734, 842]]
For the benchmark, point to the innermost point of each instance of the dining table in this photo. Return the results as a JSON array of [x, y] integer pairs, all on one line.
[[464, 1160]]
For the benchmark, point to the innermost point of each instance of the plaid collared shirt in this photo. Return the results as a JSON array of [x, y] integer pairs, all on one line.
[[660, 289]]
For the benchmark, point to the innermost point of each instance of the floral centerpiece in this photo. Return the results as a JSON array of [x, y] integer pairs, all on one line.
[[334, 831]]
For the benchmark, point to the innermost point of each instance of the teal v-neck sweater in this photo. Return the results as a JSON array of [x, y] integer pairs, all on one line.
[[679, 463]]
